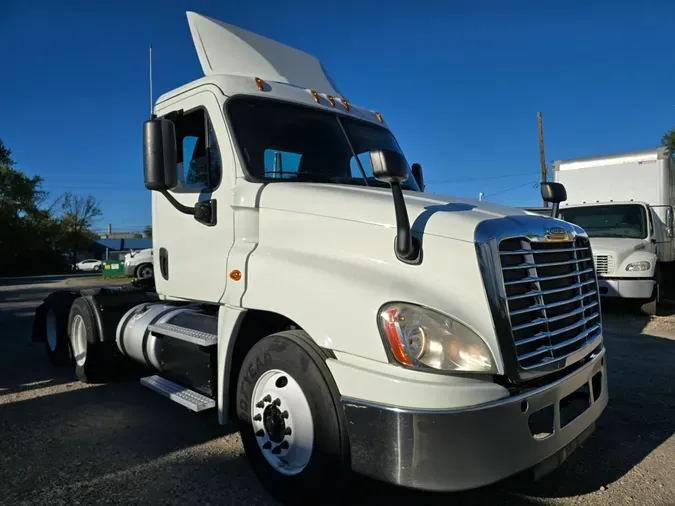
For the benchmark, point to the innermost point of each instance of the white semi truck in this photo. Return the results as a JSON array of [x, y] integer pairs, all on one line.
[[292, 293], [624, 202]]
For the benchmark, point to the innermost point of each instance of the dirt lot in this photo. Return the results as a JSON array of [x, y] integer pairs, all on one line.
[[64, 443]]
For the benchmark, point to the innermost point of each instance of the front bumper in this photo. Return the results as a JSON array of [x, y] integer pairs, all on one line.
[[467, 448], [626, 288], [129, 270]]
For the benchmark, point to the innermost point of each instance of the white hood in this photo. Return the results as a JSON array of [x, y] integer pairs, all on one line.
[[430, 214], [621, 250], [227, 49]]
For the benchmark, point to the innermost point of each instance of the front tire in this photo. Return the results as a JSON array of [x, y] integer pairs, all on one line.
[[651, 306], [144, 271], [290, 418]]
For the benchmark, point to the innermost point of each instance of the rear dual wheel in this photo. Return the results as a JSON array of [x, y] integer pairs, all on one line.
[[290, 419], [86, 350]]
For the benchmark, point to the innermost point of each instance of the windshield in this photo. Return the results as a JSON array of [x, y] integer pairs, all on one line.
[[621, 220], [282, 142]]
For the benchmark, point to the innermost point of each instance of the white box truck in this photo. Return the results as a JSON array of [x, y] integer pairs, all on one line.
[[306, 286], [624, 202]]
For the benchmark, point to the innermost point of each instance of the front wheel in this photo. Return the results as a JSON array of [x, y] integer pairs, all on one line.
[[144, 271], [651, 306], [289, 416]]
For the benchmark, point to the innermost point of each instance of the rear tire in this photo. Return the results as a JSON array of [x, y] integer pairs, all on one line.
[[294, 435], [51, 326], [86, 350]]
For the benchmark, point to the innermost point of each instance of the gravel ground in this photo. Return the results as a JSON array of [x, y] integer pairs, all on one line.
[[66, 443]]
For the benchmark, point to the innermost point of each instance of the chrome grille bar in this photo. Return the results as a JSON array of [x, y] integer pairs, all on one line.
[[559, 313]]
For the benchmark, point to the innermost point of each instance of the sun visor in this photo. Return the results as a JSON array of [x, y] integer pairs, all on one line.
[[227, 49]]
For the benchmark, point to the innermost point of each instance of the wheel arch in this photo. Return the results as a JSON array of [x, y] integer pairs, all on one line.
[[239, 330]]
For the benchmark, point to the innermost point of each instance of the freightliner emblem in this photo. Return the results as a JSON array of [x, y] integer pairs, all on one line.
[[556, 234]]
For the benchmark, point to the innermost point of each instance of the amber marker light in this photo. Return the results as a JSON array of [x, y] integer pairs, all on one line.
[[389, 320]]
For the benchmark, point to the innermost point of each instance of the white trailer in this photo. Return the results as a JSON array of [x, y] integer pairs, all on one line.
[[292, 293], [624, 202]]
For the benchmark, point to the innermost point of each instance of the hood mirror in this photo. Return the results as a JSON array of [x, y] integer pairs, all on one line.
[[391, 167], [554, 193]]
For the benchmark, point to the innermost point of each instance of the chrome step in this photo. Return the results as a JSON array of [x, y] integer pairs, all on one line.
[[184, 396], [185, 334]]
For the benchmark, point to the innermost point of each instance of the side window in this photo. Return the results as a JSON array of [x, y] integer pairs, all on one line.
[[364, 158], [281, 164], [199, 164]]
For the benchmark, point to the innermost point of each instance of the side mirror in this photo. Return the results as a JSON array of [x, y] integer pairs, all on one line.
[[391, 167], [418, 175], [159, 154], [554, 193]]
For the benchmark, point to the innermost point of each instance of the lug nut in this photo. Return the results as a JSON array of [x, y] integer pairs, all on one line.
[[277, 402], [288, 431], [267, 398], [260, 405], [257, 417], [283, 445], [260, 433], [285, 414], [276, 450], [267, 445]]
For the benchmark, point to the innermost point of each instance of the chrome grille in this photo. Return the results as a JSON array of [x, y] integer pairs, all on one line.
[[552, 295], [604, 264]]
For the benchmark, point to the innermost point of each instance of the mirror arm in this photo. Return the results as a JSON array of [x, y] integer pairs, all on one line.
[[554, 209], [180, 207], [407, 249]]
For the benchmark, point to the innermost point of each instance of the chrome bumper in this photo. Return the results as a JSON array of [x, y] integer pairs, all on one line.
[[468, 448], [639, 288]]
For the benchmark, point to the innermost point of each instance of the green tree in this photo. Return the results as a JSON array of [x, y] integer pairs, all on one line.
[[33, 236], [147, 232], [668, 140], [77, 217]]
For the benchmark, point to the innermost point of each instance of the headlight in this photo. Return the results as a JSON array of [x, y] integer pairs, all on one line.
[[639, 266], [422, 337]]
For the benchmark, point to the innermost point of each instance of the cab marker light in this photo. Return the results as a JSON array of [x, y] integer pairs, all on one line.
[[331, 100], [260, 84], [379, 117], [345, 103], [316, 96]]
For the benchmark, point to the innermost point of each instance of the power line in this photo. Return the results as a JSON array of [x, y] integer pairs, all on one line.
[[534, 183], [480, 178]]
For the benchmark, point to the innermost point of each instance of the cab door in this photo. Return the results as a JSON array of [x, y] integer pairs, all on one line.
[[190, 257]]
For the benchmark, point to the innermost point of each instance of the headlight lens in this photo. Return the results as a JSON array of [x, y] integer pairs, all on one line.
[[639, 266], [422, 337]]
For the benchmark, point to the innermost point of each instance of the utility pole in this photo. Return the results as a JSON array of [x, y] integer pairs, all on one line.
[[542, 157]]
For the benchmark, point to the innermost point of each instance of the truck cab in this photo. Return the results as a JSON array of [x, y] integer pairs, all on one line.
[[307, 287], [624, 203]]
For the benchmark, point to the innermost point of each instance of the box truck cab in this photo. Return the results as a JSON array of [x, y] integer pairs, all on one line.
[[624, 203], [306, 286]]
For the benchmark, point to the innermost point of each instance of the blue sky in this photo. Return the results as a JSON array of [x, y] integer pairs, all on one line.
[[459, 83]]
